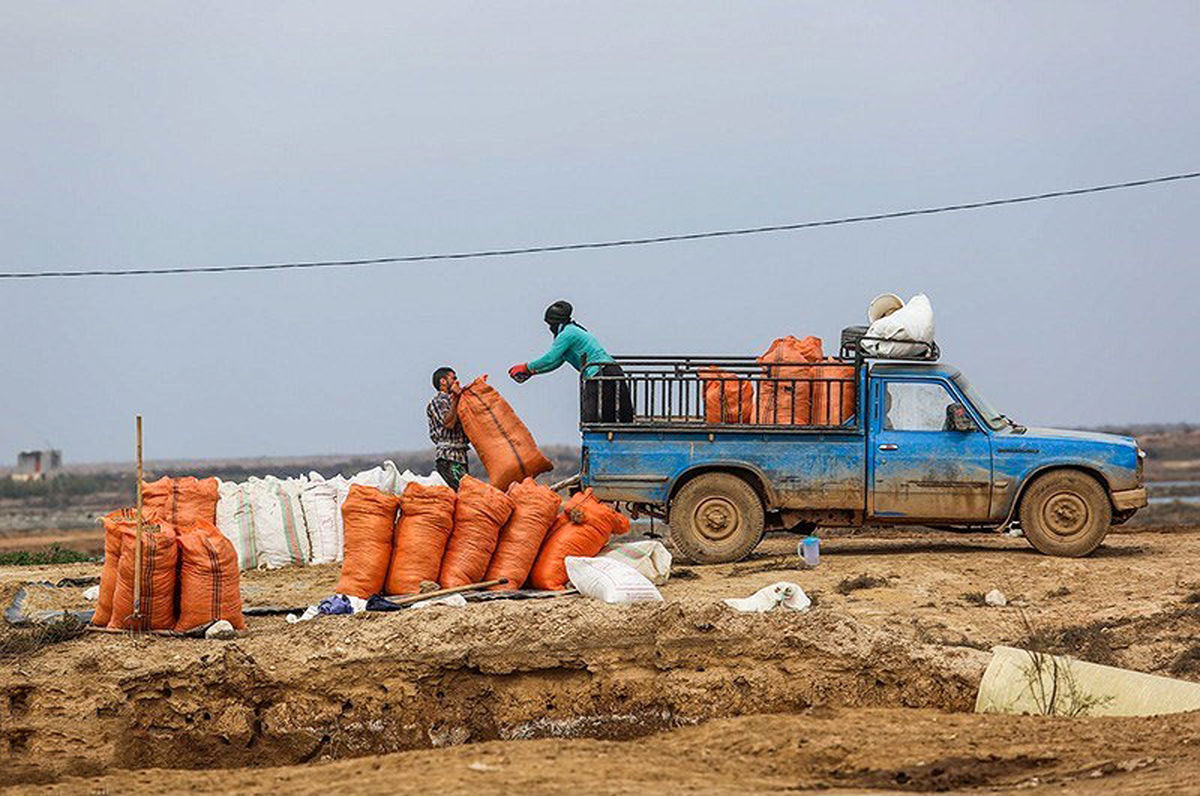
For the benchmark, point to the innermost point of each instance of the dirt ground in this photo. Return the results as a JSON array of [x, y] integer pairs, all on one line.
[[872, 689]]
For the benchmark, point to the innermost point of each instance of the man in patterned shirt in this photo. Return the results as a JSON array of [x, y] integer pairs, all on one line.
[[449, 441]]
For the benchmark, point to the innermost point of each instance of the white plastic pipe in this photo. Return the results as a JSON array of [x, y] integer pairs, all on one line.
[[1018, 681]]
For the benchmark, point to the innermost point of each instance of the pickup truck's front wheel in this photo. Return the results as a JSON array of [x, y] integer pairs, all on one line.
[[716, 518], [1065, 513]]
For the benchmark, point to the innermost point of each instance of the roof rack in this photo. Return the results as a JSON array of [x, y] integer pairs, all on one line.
[[853, 338]]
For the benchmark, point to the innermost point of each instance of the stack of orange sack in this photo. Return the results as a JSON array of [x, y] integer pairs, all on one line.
[[189, 572], [803, 387], [479, 533]]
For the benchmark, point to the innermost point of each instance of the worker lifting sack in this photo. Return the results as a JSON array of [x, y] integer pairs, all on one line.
[[504, 444]]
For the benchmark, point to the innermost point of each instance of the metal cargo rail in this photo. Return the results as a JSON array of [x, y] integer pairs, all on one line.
[[720, 392]]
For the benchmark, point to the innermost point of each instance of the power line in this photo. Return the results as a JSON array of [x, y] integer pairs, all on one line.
[[608, 244]]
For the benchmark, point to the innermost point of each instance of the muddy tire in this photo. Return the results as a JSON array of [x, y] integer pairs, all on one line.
[[716, 518], [1065, 513]]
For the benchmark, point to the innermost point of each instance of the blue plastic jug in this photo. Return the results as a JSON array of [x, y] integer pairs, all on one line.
[[809, 550]]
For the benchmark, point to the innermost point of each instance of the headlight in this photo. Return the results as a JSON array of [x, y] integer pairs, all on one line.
[[1141, 467]]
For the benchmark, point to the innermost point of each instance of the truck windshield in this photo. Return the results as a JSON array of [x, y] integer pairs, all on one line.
[[990, 415]]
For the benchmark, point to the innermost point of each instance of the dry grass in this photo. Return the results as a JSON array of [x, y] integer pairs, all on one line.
[[19, 642]]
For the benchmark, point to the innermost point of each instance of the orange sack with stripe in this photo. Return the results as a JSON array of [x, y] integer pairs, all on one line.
[[583, 529], [478, 514], [833, 393], [426, 519], [160, 557], [727, 398], [115, 524], [209, 584], [534, 509], [787, 402], [504, 444], [182, 502], [368, 517]]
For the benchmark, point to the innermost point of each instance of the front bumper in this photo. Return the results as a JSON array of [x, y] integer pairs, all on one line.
[[1128, 499]]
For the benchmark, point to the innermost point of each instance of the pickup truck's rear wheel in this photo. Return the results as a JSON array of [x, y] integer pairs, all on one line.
[[1065, 513], [715, 518]]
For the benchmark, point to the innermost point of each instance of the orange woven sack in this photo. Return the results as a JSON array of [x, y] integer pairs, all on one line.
[[209, 585], [160, 556], [182, 502], [368, 516], [534, 508], [480, 511], [502, 441], [833, 393], [426, 519], [788, 403], [115, 524], [582, 529], [727, 397]]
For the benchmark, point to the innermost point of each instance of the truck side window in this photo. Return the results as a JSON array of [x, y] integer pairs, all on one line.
[[915, 406]]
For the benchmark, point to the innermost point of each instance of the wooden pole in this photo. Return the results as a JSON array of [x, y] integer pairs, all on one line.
[[137, 544], [408, 599]]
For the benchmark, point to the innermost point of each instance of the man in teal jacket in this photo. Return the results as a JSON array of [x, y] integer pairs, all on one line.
[[605, 399]]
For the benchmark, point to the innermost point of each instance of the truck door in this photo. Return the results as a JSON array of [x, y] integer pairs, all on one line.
[[921, 468]]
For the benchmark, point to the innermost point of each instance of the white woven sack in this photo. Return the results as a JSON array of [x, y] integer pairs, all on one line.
[[280, 533], [235, 521], [319, 499], [912, 322], [609, 580]]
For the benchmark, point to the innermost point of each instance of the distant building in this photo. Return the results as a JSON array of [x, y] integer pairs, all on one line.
[[36, 465]]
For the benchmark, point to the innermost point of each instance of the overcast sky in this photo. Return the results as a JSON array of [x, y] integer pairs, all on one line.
[[141, 134]]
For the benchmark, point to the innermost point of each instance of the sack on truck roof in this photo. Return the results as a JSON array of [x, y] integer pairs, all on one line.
[[479, 511], [535, 507], [421, 532], [209, 584], [504, 444], [583, 529], [901, 329], [369, 516]]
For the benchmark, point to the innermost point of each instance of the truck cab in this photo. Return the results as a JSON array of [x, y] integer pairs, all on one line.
[[725, 448]]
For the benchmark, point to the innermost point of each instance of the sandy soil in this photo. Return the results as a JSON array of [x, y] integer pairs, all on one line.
[[869, 690]]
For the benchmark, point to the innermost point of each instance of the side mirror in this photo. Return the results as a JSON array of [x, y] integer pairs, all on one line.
[[957, 419]]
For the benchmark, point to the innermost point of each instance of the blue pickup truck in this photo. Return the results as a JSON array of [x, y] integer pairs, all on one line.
[[725, 448]]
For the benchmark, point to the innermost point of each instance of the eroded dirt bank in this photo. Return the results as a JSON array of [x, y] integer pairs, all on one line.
[[897, 624], [839, 750], [382, 683]]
